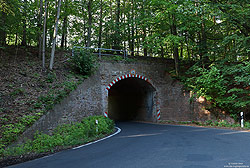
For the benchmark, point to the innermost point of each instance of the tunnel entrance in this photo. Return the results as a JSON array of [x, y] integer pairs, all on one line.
[[131, 99]]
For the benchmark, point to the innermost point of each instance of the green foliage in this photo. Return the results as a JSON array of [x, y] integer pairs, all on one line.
[[10, 132], [83, 62], [28, 120], [18, 91], [51, 77], [203, 29], [224, 84], [63, 136]]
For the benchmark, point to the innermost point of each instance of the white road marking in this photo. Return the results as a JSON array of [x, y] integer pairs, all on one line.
[[117, 132], [229, 133]]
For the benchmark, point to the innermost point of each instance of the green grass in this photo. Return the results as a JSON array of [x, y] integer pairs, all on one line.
[[63, 136]]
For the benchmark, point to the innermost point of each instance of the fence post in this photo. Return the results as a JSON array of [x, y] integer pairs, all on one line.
[[99, 53], [124, 54], [73, 51]]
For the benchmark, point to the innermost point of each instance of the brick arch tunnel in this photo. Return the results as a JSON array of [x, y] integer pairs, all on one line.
[[131, 99]]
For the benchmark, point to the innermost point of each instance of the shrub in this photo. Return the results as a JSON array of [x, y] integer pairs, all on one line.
[[247, 125], [83, 62], [223, 123], [209, 122]]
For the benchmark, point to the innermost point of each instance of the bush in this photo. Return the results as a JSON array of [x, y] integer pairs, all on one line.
[[83, 62], [224, 123], [63, 136], [247, 125]]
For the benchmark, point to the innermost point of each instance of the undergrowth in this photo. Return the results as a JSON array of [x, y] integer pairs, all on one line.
[[63, 136]]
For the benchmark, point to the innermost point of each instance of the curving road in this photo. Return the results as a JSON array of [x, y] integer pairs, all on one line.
[[149, 145]]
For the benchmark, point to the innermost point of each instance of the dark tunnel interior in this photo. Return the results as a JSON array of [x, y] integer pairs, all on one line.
[[131, 99]]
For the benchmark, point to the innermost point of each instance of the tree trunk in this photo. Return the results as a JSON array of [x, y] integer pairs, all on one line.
[[181, 54], [24, 39], [64, 31], [129, 29], [40, 29], [3, 31], [205, 59], [84, 28], [124, 32], [44, 32], [65, 41], [186, 41], [138, 40], [175, 48], [162, 52], [133, 30], [100, 26], [65, 22], [117, 26], [109, 39], [144, 30], [89, 23], [54, 37], [16, 39]]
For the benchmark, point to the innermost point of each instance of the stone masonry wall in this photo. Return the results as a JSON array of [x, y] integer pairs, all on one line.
[[91, 97], [83, 102], [172, 101]]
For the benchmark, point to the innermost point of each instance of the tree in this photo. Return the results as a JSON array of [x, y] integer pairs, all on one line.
[[40, 29], [100, 25], [89, 23], [65, 24], [24, 38], [54, 36], [44, 32], [2, 29]]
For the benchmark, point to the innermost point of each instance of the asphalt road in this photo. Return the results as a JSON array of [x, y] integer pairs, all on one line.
[[149, 145]]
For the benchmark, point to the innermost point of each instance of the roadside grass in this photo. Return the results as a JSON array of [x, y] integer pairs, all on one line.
[[210, 123], [64, 136]]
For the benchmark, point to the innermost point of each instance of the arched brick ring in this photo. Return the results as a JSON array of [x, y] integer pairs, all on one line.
[[127, 76], [130, 76]]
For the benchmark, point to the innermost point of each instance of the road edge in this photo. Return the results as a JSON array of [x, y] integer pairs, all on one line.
[[90, 143]]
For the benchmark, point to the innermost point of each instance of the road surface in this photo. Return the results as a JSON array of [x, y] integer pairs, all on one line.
[[141, 145]]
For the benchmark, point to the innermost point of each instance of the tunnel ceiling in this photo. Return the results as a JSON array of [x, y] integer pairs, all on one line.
[[131, 99]]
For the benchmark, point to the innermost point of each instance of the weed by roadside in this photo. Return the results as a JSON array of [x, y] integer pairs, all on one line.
[[63, 136]]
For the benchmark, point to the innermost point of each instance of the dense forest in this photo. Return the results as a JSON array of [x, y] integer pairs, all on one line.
[[206, 30]]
